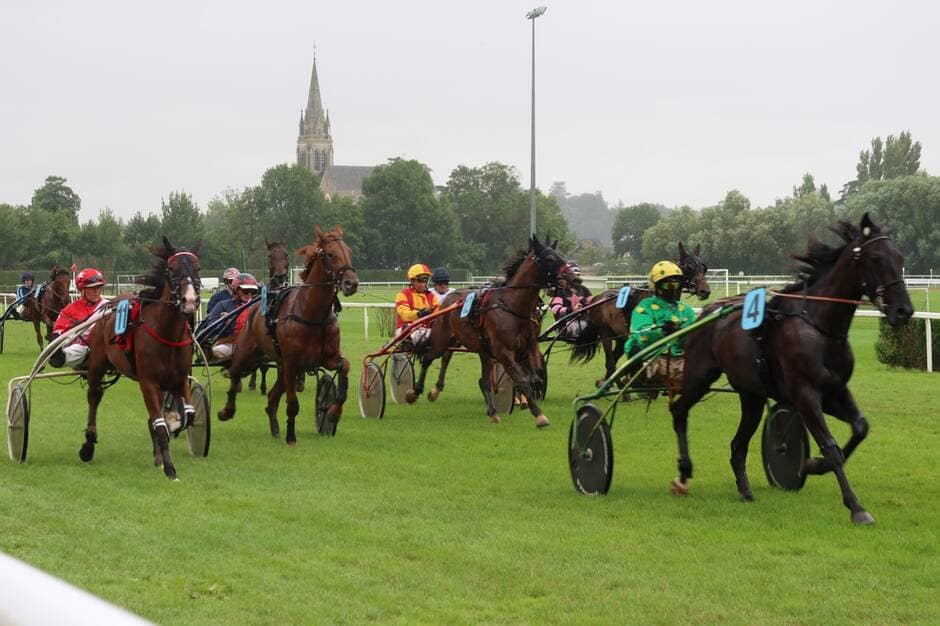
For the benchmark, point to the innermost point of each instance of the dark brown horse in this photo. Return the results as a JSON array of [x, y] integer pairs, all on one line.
[[278, 278], [610, 326], [45, 310], [305, 334], [807, 357], [505, 329], [160, 353]]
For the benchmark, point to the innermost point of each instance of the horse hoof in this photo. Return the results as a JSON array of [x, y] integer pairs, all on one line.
[[225, 415], [542, 422], [86, 453], [679, 488], [291, 444], [747, 497], [433, 394], [494, 418], [411, 396], [862, 518]]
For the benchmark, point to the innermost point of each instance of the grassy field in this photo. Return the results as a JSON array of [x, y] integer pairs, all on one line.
[[433, 515]]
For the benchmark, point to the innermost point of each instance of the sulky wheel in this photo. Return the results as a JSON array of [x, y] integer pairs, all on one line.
[[402, 378], [17, 425], [1, 337], [590, 452], [326, 396], [199, 432], [785, 445], [372, 391]]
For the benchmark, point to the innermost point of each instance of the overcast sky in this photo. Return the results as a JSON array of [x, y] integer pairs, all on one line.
[[671, 102]]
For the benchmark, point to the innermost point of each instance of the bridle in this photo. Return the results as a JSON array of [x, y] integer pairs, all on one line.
[[178, 282], [879, 290], [334, 275], [689, 282]]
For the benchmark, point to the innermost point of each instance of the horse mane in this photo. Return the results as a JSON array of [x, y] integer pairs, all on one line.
[[511, 266], [154, 279], [820, 257], [310, 251]]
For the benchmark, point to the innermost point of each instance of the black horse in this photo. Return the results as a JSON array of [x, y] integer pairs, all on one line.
[[803, 346]]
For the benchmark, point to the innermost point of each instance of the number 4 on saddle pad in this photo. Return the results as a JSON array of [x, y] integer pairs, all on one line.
[[755, 303]]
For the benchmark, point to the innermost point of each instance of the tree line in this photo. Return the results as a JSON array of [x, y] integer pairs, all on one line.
[[478, 218]]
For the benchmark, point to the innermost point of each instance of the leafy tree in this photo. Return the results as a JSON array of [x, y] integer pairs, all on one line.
[[588, 216], [630, 223], [181, 220], [406, 223], [288, 204], [911, 207], [493, 212], [102, 243], [12, 238], [139, 233], [661, 241], [57, 198], [892, 158]]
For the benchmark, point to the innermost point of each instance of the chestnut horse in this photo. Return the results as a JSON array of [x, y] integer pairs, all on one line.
[[161, 354], [45, 310], [278, 278], [305, 334], [504, 330], [610, 326], [806, 352]]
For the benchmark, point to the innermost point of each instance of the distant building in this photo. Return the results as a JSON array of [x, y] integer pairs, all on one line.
[[315, 149]]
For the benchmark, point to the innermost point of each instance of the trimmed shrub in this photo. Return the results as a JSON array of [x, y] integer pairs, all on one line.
[[904, 346]]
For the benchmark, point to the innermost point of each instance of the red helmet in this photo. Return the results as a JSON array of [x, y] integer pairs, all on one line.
[[230, 274], [245, 282], [89, 277]]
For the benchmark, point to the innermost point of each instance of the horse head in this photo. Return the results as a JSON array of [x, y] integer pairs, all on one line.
[[180, 269], [278, 264], [693, 272], [551, 265], [336, 257], [880, 270]]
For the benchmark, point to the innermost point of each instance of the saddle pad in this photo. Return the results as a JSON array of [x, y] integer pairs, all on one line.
[[754, 305], [121, 316], [623, 296], [468, 304]]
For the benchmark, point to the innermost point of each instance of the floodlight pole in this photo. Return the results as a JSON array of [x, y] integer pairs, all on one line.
[[531, 15]]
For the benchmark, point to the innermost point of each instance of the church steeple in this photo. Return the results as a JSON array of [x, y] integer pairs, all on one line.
[[314, 143]]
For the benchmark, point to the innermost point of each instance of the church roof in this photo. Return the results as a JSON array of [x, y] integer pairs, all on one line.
[[344, 179]]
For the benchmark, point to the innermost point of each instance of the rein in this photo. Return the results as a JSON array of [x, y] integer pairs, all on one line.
[[167, 342]]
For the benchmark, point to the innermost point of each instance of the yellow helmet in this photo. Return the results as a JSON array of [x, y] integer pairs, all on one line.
[[664, 269], [418, 269]]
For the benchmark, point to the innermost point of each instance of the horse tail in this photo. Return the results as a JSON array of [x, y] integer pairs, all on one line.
[[585, 346]]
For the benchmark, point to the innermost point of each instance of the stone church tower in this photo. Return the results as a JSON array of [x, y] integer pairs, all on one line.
[[314, 143]]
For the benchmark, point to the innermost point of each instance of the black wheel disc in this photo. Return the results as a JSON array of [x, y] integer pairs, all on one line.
[[785, 445], [372, 391], [326, 396], [199, 432], [18, 425], [501, 386], [590, 452], [402, 378], [542, 390], [1, 337]]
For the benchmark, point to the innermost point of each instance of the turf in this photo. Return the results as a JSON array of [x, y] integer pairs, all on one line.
[[433, 515]]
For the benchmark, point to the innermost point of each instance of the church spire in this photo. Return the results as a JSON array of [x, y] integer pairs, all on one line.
[[314, 143], [314, 104]]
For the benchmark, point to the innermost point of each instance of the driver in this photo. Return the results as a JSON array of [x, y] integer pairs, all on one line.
[[89, 282], [245, 287], [415, 302], [660, 315], [22, 291]]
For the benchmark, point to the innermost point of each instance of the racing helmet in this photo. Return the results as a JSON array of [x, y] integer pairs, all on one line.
[[245, 282], [89, 277], [418, 269], [440, 275], [664, 269], [27, 276], [230, 274]]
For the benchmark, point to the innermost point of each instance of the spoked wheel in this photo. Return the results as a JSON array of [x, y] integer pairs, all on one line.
[[590, 452], [198, 433], [785, 446], [403, 377], [372, 391], [502, 388], [18, 425], [542, 390], [326, 396]]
